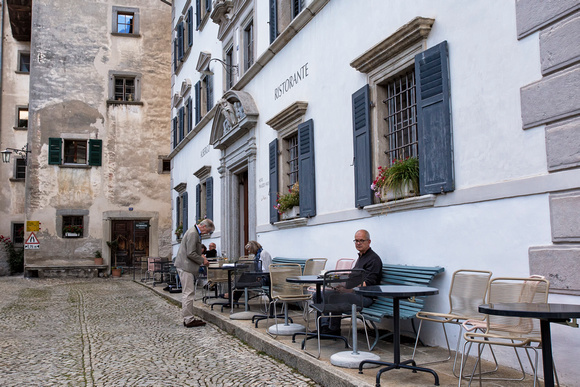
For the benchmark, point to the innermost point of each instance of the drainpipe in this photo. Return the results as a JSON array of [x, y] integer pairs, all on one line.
[[1, 57]]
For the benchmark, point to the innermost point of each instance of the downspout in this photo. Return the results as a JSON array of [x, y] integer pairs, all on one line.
[[1, 62]]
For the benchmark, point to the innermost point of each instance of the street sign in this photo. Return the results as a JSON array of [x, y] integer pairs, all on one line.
[[32, 243], [32, 225]]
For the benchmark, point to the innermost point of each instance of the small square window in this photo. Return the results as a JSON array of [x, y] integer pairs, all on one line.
[[20, 168], [72, 226], [22, 118], [125, 89], [125, 21], [75, 151], [24, 62], [18, 234]]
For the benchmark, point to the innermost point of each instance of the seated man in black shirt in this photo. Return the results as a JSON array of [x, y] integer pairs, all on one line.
[[369, 261]]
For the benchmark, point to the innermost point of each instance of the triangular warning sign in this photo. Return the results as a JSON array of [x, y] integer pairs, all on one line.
[[32, 239]]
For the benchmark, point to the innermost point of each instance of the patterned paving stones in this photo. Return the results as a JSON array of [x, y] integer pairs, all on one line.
[[107, 332]]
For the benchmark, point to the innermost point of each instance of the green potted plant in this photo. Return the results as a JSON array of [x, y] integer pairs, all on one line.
[[401, 179], [72, 230], [179, 231], [98, 258], [289, 204]]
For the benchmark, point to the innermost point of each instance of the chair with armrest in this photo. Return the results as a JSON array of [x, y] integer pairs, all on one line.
[[344, 263], [467, 291], [515, 332], [286, 292]]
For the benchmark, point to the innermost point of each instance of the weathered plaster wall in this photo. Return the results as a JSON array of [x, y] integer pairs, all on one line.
[[73, 53]]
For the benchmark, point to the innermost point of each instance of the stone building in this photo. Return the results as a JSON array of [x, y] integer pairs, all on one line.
[[323, 92], [99, 86]]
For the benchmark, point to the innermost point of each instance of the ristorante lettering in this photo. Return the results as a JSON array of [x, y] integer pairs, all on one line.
[[291, 81]]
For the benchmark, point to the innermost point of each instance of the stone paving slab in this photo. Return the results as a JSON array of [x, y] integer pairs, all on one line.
[[107, 332]]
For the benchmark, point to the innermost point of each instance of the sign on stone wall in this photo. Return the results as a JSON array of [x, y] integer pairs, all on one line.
[[32, 243], [32, 225]]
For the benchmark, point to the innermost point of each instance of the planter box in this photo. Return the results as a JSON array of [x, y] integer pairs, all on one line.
[[292, 213], [404, 192], [72, 234]]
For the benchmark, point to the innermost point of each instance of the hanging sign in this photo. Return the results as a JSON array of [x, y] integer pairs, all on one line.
[[32, 225], [32, 243]]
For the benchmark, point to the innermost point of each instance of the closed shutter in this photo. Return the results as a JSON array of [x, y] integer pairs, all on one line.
[[209, 84], [189, 115], [95, 152], [190, 26], [434, 121], [273, 154], [185, 211], [209, 198], [306, 170], [175, 132], [198, 215], [273, 20], [175, 57], [181, 129], [197, 102], [180, 41], [362, 147], [54, 151], [198, 13]]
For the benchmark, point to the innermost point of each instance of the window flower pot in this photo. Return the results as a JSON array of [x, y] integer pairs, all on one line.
[[72, 234], [292, 213], [405, 191]]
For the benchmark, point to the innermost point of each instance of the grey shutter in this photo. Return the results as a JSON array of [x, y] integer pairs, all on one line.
[[197, 102], [209, 197], [190, 26], [434, 121], [174, 132], [189, 115], [273, 150], [54, 151], [175, 58], [180, 41], [273, 20], [361, 124], [181, 128], [209, 84], [95, 152], [306, 170], [185, 210], [197, 13], [198, 216], [177, 213], [208, 6]]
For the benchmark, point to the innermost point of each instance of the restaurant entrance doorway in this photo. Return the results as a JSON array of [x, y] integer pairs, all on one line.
[[132, 241]]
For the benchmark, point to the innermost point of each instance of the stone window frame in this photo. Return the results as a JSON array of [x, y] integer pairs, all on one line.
[[71, 212], [20, 108], [248, 63], [113, 75], [21, 55], [19, 163], [203, 174], [127, 10], [163, 164], [13, 226]]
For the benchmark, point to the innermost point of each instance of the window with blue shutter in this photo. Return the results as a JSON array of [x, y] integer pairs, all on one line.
[[174, 129], [434, 120], [198, 13], [209, 92], [181, 128], [189, 115], [190, 26], [180, 41], [198, 215], [208, 6], [306, 168], [273, 171], [197, 102], [209, 197], [54, 151], [185, 210], [95, 152], [178, 212], [361, 124], [175, 55], [273, 20]]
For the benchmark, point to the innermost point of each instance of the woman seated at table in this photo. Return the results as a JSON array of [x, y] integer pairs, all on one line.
[[262, 261]]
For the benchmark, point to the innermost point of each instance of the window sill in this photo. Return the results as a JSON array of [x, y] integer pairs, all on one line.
[[113, 102], [22, 72], [15, 179], [20, 128], [79, 166], [127, 35], [413, 203], [291, 223]]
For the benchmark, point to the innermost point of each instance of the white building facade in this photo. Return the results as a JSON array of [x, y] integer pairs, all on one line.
[[323, 92]]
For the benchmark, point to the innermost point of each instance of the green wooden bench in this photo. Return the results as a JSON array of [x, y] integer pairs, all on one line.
[[400, 275]]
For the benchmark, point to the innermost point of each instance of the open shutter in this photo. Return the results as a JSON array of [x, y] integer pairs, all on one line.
[[209, 197], [306, 169], [190, 26], [209, 84], [177, 211], [180, 41], [95, 152], [208, 6], [197, 102], [197, 13], [175, 141], [273, 20], [361, 124], [434, 121], [273, 151], [54, 151], [198, 214], [181, 117], [185, 210], [175, 56], [189, 115]]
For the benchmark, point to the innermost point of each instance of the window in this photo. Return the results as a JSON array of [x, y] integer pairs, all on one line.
[[282, 12], [125, 21], [248, 40], [18, 234], [203, 9], [74, 151], [412, 117], [23, 62], [204, 194], [20, 168], [294, 163], [124, 87], [181, 206], [229, 69], [203, 97], [72, 226], [22, 117], [166, 166]]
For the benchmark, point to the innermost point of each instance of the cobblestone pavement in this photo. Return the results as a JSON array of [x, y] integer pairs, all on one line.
[[114, 332]]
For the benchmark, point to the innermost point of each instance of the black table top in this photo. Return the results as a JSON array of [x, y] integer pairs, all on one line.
[[305, 279], [230, 266], [396, 291], [545, 311]]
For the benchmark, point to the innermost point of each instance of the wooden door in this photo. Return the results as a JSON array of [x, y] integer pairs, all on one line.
[[132, 238]]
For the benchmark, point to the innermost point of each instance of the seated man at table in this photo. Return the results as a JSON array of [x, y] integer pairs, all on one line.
[[369, 261]]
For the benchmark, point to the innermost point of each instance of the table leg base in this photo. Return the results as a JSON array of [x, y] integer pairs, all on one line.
[[286, 330], [392, 366], [242, 315], [348, 359]]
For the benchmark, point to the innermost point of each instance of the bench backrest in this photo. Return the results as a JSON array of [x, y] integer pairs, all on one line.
[[300, 261], [402, 275]]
